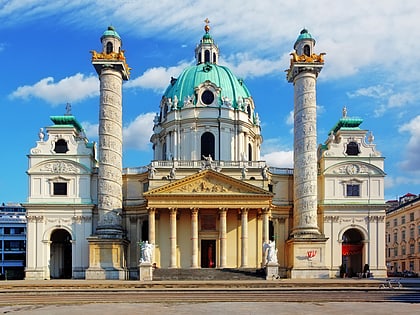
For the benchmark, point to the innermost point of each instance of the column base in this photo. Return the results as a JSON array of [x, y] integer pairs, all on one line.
[[307, 257], [36, 274], [107, 259]]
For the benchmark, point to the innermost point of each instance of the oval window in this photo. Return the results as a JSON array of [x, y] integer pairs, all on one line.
[[207, 97]]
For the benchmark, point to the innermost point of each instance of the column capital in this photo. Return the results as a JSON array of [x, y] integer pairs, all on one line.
[[194, 210]]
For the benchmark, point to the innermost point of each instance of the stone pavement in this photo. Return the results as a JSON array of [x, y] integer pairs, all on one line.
[[239, 308]]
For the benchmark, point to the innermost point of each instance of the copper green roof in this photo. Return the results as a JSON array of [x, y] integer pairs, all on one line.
[[110, 32], [347, 123], [67, 120], [221, 76]]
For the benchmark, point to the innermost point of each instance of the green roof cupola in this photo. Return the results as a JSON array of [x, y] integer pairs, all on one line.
[[305, 43], [207, 51]]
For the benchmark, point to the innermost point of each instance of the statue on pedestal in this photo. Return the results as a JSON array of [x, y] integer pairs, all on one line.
[[146, 252]]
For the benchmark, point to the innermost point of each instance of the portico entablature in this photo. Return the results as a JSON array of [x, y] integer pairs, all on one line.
[[211, 190]]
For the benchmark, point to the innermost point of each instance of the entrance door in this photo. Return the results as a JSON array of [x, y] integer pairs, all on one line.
[[208, 253], [352, 252], [60, 255]]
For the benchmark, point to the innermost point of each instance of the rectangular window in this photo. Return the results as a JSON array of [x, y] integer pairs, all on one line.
[[411, 216], [60, 189], [395, 222], [403, 235], [395, 237], [395, 251], [403, 250], [412, 233], [353, 190], [403, 219]]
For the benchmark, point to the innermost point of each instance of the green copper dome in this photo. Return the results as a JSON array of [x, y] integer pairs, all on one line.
[[193, 76], [110, 32]]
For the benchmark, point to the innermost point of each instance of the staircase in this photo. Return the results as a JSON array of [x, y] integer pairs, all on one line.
[[225, 274]]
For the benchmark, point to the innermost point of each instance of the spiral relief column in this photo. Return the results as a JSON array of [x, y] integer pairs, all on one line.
[[108, 245], [304, 69], [305, 66]]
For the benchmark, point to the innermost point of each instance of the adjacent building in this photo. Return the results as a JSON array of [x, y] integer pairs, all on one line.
[[206, 200], [403, 235], [13, 241]]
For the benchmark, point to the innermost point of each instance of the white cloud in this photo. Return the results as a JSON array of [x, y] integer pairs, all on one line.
[[412, 150], [70, 89], [136, 135], [279, 159], [156, 78], [276, 153], [246, 66], [91, 130]]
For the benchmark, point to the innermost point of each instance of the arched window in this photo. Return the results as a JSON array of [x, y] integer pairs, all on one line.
[[164, 151], [214, 57], [61, 146], [109, 48], [307, 50], [206, 56], [207, 145], [249, 152], [248, 109]]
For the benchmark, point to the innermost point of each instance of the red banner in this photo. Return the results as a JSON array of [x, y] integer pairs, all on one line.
[[349, 249]]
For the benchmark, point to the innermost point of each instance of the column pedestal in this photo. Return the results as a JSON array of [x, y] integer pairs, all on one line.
[[306, 258], [107, 259], [145, 271], [272, 271]]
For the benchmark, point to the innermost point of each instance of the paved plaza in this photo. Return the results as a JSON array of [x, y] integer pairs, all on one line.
[[242, 308]]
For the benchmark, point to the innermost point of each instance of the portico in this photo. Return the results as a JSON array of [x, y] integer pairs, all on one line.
[[218, 222]]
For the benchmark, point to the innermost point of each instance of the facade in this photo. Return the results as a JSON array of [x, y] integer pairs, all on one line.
[[13, 241], [403, 235], [206, 200]]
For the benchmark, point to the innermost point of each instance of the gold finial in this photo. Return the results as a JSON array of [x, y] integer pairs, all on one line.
[[207, 27]]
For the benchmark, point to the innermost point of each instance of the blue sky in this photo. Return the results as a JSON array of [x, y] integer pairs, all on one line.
[[372, 68]]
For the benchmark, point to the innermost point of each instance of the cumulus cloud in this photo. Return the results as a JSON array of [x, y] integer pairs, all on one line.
[[156, 78], [246, 66], [70, 89], [136, 135], [282, 159], [91, 130], [412, 150], [276, 153], [385, 97]]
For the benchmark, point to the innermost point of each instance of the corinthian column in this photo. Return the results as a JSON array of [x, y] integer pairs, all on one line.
[[222, 237], [194, 237], [244, 238], [172, 237]]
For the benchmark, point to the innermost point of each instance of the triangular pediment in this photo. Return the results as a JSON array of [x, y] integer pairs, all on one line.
[[208, 182]]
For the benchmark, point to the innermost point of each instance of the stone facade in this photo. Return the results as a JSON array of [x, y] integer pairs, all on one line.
[[206, 200]]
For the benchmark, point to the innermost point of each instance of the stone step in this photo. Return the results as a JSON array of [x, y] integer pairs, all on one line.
[[163, 274]]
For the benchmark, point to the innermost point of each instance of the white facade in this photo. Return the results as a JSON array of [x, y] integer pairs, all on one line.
[[206, 200], [62, 196]]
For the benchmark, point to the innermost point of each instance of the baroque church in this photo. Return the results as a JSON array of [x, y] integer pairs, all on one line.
[[206, 200]]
